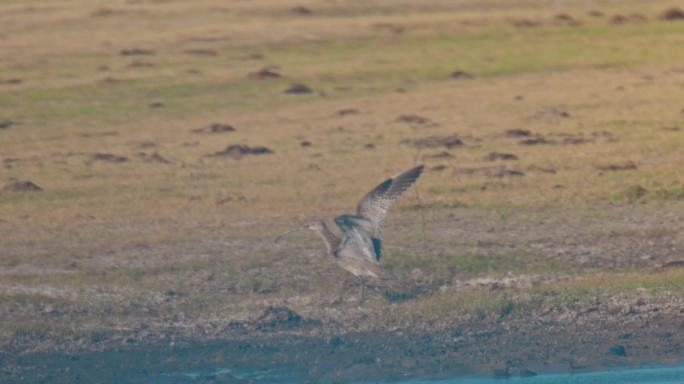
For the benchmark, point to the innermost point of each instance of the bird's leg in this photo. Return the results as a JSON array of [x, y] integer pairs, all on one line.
[[340, 294], [363, 290]]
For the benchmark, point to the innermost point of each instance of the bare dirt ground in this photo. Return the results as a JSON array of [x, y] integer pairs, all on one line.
[[150, 152]]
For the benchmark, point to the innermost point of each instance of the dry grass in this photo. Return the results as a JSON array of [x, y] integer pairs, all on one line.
[[201, 225]]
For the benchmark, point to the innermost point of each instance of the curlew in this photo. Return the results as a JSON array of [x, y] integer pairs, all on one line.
[[358, 250]]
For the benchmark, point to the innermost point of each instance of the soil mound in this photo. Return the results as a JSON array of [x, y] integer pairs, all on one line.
[[673, 14], [298, 89]]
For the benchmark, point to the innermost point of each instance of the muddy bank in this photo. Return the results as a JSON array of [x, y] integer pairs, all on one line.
[[585, 340]]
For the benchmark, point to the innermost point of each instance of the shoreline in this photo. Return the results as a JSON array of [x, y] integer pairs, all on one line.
[[513, 347]]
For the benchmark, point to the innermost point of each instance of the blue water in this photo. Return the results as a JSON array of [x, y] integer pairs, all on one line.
[[659, 375], [653, 375]]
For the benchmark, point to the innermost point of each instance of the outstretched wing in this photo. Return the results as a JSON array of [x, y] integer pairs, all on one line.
[[375, 205]]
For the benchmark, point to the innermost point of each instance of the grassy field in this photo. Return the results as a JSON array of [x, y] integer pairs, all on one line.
[[139, 223]]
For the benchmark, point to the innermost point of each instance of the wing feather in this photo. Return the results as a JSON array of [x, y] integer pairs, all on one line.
[[375, 205]]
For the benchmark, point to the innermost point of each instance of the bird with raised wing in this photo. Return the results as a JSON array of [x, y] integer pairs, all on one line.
[[359, 248]]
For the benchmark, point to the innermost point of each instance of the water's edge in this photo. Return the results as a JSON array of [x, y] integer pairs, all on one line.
[[361, 357]]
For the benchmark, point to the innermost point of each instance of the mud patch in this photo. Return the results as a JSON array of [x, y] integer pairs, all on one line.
[[215, 128], [279, 318], [99, 134], [539, 169], [494, 156], [435, 142], [565, 19], [237, 151], [136, 52], [22, 186], [622, 19], [140, 64], [154, 157], [517, 133], [201, 52], [634, 193], [626, 166], [6, 123], [496, 171], [302, 11], [265, 73], [440, 155], [550, 113], [525, 23], [673, 14], [461, 75], [107, 157], [534, 141], [11, 81], [347, 112], [413, 119]]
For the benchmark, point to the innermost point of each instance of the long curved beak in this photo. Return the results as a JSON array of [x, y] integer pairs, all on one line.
[[277, 239]]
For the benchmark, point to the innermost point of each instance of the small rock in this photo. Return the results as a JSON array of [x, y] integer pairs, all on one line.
[[305, 143], [156, 105], [526, 372], [298, 89]]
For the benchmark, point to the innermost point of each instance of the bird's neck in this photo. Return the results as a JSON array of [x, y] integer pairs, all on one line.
[[329, 238]]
